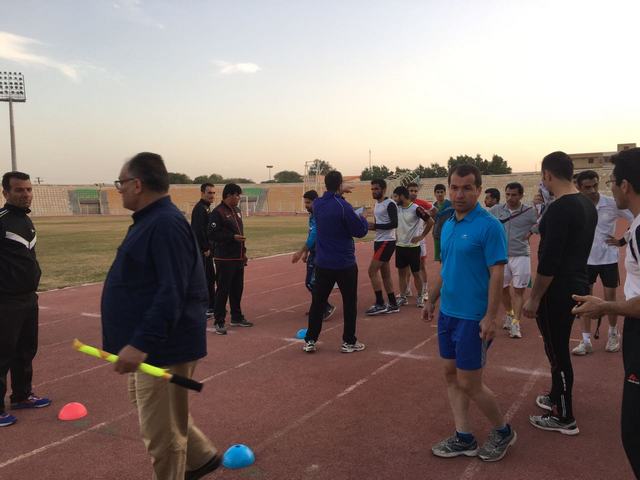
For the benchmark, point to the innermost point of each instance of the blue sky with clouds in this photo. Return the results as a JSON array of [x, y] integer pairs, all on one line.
[[231, 86]]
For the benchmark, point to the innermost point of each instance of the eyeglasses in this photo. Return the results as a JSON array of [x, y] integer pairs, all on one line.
[[120, 183]]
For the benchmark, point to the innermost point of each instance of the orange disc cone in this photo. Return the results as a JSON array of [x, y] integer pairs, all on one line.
[[72, 411]]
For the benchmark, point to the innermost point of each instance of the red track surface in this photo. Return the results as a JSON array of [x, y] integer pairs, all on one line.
[[373, 414]]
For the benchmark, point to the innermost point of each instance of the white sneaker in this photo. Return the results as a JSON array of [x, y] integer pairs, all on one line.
[[515, 330], [613, 343], [309, 346], [420, 301], [583, 349], [352, 347], [407, 292]]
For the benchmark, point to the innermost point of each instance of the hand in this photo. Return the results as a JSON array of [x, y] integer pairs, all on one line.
[[305, 256], [129, 359], [487, 329], [296, 257], [588, 306], [530, 308], [207, 253], [417, 239], [613, 241], [239, 238], [428, 312]]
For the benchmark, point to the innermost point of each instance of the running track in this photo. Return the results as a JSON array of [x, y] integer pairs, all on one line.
[[329, 415]]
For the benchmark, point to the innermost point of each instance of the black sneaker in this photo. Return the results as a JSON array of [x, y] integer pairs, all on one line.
[[496, 446], [544, 402], [392, 308], [554, 424], [204, 470], [328, 312], [209, 312], [240, 323], [376, 310], [454, 447], [309, 346], [220, 330]]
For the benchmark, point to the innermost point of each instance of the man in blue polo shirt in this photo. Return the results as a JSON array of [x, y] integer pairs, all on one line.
[[473, 252]]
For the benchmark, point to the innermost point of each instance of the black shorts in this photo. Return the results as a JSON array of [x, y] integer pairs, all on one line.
[[408, 257], [607, 273], [383, 251]]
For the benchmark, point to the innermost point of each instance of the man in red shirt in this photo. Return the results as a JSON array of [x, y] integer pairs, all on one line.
[[414, 188]]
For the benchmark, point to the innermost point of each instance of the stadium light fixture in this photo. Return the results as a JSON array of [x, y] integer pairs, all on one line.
[[12, 90], [269, 167]]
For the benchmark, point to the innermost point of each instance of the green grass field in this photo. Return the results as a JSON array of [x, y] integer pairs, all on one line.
[[76, 250]]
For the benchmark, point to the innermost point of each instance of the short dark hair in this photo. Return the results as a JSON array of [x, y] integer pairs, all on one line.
[[380, 182], [333, 180], [404, 191], [559, 164], [150, 169], [514, 186], [439, 186], [587, 175], [310, 195], [413, 184], [231, 189], [465, 169], [204, 187], [6, 179], [627, 167], [494, 193]]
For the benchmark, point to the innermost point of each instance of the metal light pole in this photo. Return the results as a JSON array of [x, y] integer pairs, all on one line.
[[12, 90], [269, 167]]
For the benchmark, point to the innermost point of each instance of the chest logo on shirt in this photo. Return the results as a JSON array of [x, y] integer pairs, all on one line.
[[213, 224]]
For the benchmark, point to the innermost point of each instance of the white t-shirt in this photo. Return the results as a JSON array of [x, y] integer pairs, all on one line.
[[410, 224], [381, 216], [631, 262], [608, 214]]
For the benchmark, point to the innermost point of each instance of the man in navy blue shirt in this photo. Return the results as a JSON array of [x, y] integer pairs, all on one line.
[[337, 223], [473, 253], [153, 309]]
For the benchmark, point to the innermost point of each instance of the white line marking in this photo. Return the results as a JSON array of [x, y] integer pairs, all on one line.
[[42, 307], [91, 315], [53, 323], [284, 287], [526, 371], [406, 355], [53, 380]]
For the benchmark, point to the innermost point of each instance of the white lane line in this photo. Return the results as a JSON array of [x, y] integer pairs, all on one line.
[[474, 465], [283, 287], [91, 315], [525, 371], [71, 375], [354, 386], [53, 323], [406, 355]]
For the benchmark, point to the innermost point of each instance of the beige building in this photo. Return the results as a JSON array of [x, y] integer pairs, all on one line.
[[582, 161]]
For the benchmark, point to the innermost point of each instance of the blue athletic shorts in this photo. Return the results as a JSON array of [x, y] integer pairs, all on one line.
[[460, 340]]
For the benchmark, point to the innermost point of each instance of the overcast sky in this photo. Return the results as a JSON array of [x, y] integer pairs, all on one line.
[[231, 86]]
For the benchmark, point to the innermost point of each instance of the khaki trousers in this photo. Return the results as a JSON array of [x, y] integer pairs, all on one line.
[[173, 441]]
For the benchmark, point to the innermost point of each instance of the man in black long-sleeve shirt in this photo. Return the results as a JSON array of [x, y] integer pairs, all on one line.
[[19, 278], [199, 224], [566, 234]]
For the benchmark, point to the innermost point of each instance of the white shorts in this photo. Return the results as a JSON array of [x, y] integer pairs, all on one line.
[[423, 248], [517, 272]]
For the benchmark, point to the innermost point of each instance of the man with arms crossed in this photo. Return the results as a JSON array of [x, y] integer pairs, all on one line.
[[625, 186], [385, 222], [441, 211], [519, 223], [199, 224], [566, 234], [474, 251], [603, 259]]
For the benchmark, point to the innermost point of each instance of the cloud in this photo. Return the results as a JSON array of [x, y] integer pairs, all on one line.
[[226, 68], [17, 49], [133, 12]]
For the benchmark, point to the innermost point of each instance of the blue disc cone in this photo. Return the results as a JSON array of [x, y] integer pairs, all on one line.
[[301, 333], [238, 456]]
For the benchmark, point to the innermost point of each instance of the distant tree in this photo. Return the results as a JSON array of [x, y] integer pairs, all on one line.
[[212, 178], [268, 181], [434, 171], [399, 170], [177, 178], [320, 167], [237, 180], [287, 176], [375, 172], [496, 166]]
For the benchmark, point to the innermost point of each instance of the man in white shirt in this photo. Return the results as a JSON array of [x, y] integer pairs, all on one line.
[[603, 259]]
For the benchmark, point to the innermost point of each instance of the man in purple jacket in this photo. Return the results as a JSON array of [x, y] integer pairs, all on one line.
[[336, 224]]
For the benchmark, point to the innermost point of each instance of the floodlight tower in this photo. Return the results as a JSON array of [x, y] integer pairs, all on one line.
[[12, 90]]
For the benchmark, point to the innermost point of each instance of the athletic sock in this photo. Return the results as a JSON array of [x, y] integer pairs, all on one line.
[[504, 431], [586, 337], [511, 313], [613, 330], [515, 321], [465, 437], [392, 299], [379, 298]]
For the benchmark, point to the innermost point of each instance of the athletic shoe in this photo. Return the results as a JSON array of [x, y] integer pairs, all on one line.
[[209, 312], [220, 330], [515, 330], [328, 312], [554, 424], [544, 402], [420, 301], [376, 310], [204, 470], [401, 300], [352, 347], [309, 346], [613, 344], [240, 323], [407, 292], [392, 308], [31, 402], [583, 349], [454, 447], [508, 320], [495, 448], [7, 419]]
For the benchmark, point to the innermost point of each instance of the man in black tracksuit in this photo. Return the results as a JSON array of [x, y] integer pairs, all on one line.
[[199, 225], [227, 233], [19, 279]]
